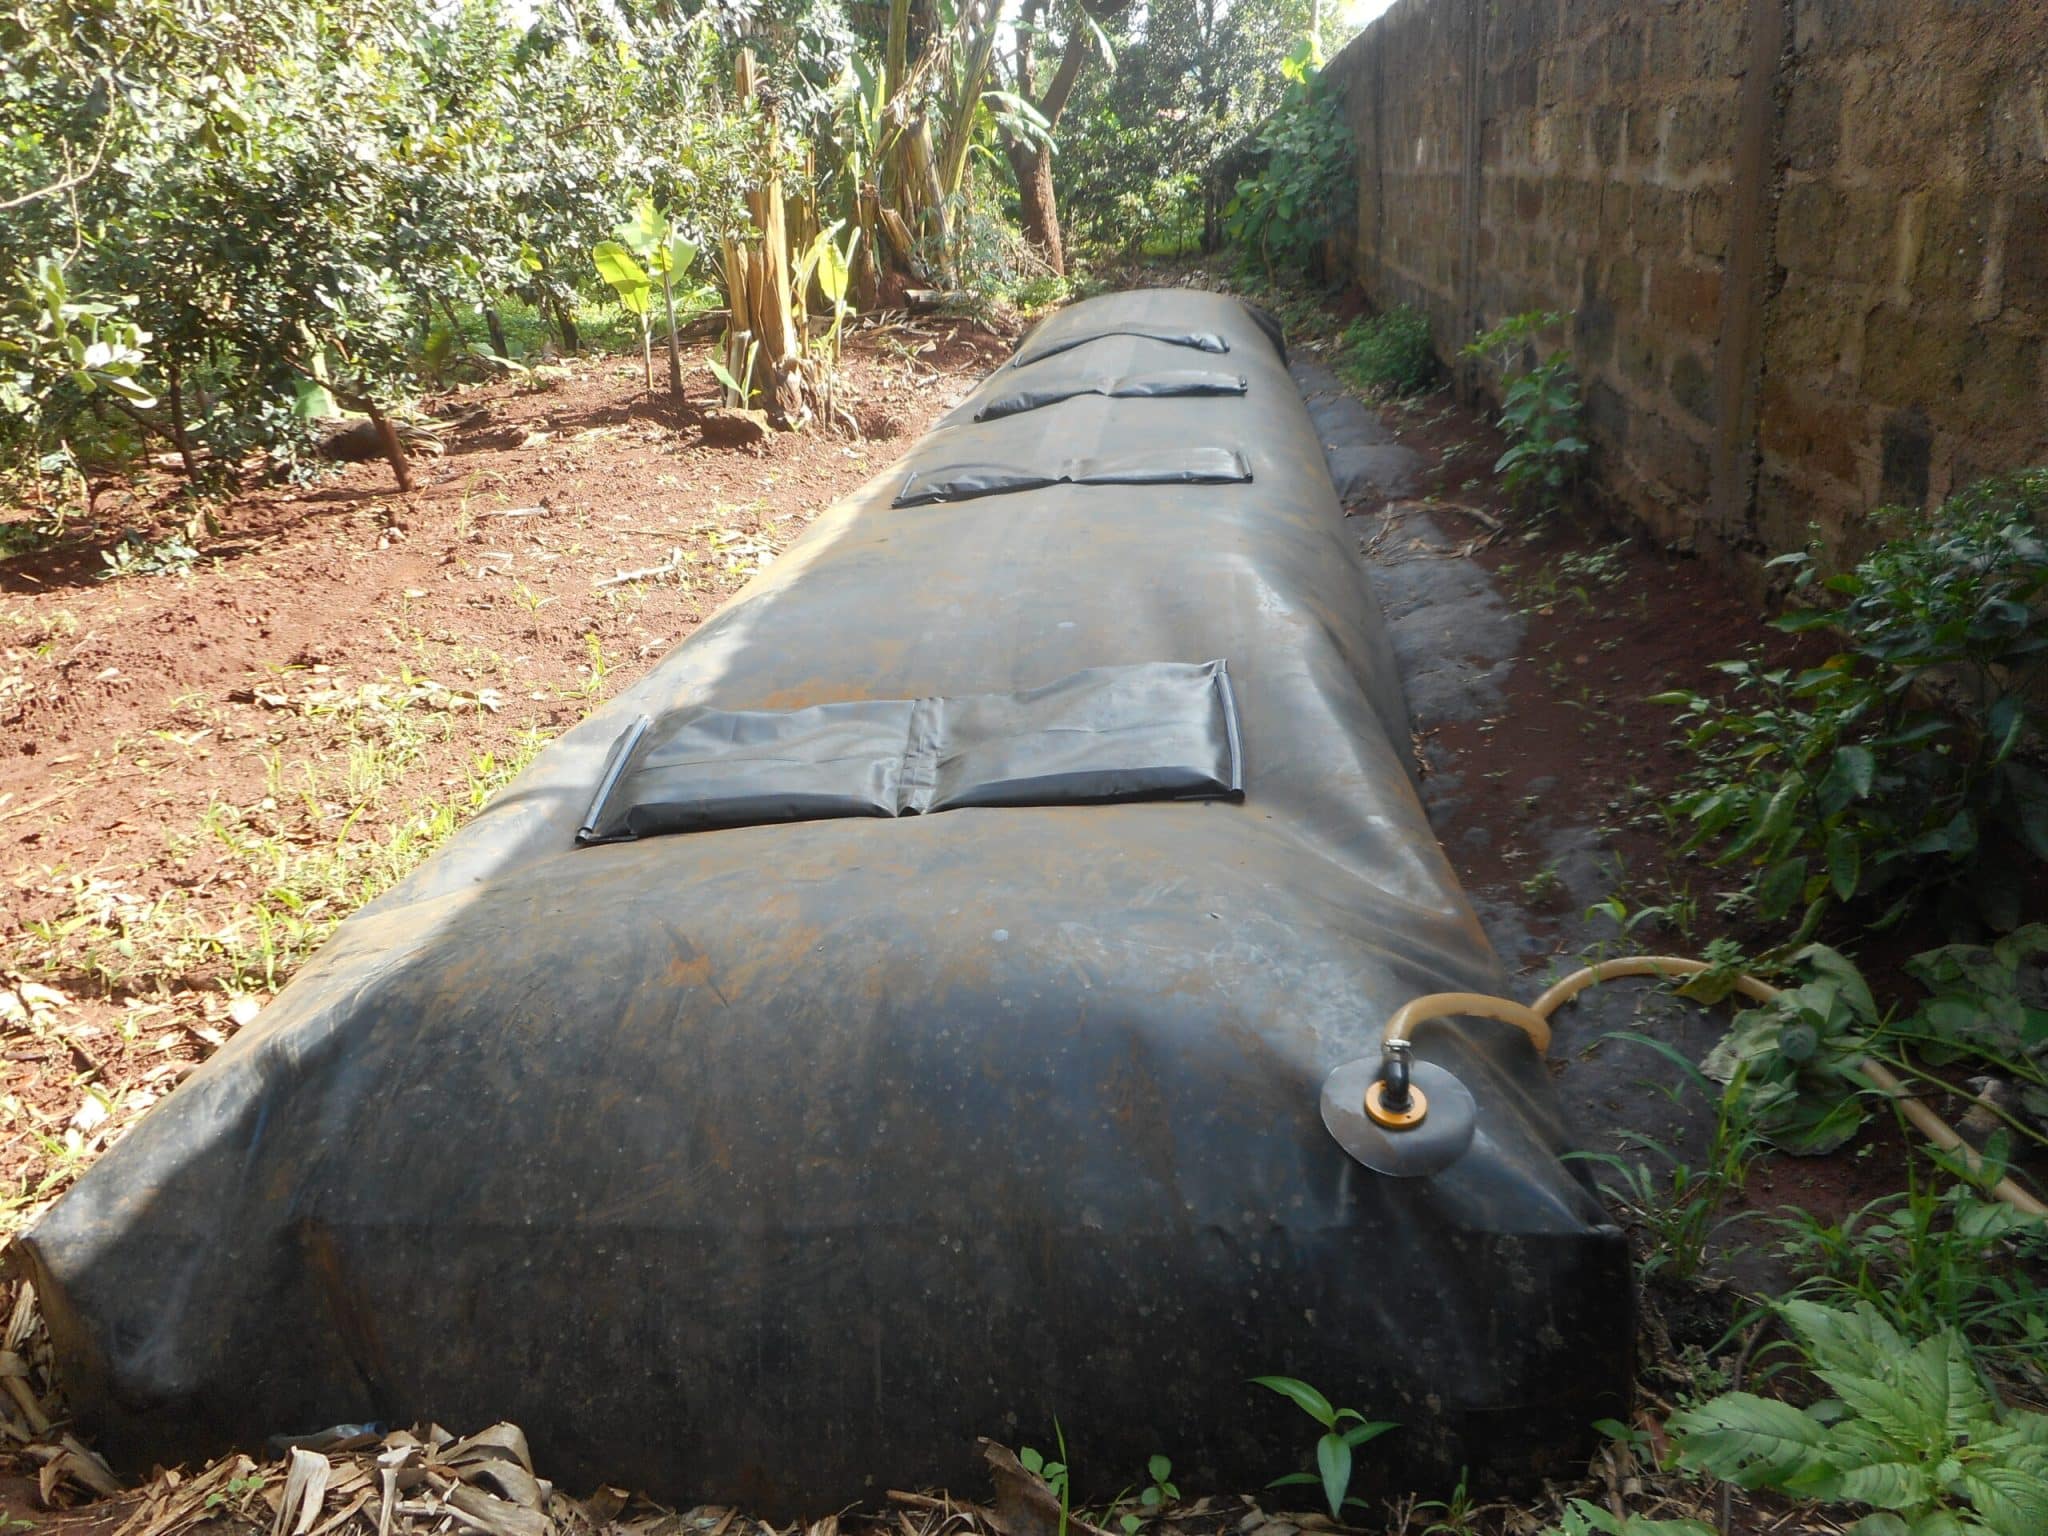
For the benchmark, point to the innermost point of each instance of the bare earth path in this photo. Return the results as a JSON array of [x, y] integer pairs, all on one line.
[[200, 773]]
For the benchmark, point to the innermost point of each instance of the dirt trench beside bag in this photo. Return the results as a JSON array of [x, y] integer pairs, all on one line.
[[774, 1146]]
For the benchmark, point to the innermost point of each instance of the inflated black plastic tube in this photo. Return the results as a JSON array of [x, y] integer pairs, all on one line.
[[774, 1160]]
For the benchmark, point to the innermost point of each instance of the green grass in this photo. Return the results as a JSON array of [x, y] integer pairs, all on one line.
[[603, 327], [1388, 353], [303, 885]]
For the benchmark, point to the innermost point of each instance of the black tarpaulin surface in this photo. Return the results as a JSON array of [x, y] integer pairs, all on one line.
[[1069, 329], [1045, 385], [965, 465], [1161, 730], [774, 1163]]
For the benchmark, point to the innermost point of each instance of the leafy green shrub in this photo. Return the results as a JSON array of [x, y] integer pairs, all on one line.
[[1053, 1473], [1950, 592], [1390, 351], [1844, 782], [1909, 1430], [1930, 1258], [1793, 1060], [650, 236], [1539, 409], [297, 208], [61, 354], [1301, 195], [1986, 1007], [135, 555]]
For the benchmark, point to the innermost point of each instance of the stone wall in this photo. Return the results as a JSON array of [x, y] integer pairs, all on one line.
[[1804, 242]]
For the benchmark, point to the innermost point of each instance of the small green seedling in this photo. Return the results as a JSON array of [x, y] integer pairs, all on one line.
[[1333, 1450], [1160, 1494], [1053, 1474]]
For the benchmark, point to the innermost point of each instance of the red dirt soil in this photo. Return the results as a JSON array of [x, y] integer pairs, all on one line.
[[341, 662]]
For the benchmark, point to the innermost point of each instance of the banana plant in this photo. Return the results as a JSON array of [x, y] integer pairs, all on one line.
[[832, 266], [740, 390], [629, 280], [654, 237], [910, 126], [649, 236]]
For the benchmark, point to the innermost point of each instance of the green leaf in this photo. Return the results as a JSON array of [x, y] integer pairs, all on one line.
[[1807, 1127], [833, 273], [1845, 861], [1924, 728], [1358, 1434], [1886, 1485], [1842, 977], [1333, 1461], [647, 231], [312, 402], [127, 389], [1859, 766], [1295, 1479], [1851, 772], [615, 264], [676, 257], [2006, 725], [1303, 1396], [1160, 1469], [1751, 1441], [1933, 1522], [1956, 837], [1773, 817], [2009, 1498], [1778, 888]]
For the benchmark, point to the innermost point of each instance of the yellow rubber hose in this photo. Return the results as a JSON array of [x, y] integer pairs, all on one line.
[[1441, 1005], [1533, 1019]]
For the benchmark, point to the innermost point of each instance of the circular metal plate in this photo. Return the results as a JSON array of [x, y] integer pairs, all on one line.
[[1415, 1152]]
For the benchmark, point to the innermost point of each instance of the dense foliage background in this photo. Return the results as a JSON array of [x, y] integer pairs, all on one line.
[[220, 224]]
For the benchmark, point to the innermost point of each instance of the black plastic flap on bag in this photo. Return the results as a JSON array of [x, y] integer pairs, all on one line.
[[1154, 731], [1156, 384], [1194, 464], [1053, 337]]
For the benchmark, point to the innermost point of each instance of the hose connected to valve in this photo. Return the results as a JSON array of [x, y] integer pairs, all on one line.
[[1394, 1105]]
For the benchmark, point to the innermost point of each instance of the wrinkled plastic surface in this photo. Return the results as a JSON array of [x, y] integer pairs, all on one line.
[[1043, 386], [1072, 445], [775, 1163], [1147, 317], [1164, 730]]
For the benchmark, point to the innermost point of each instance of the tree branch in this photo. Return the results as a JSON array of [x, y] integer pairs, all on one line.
[[1080, 45], [59, 188]]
